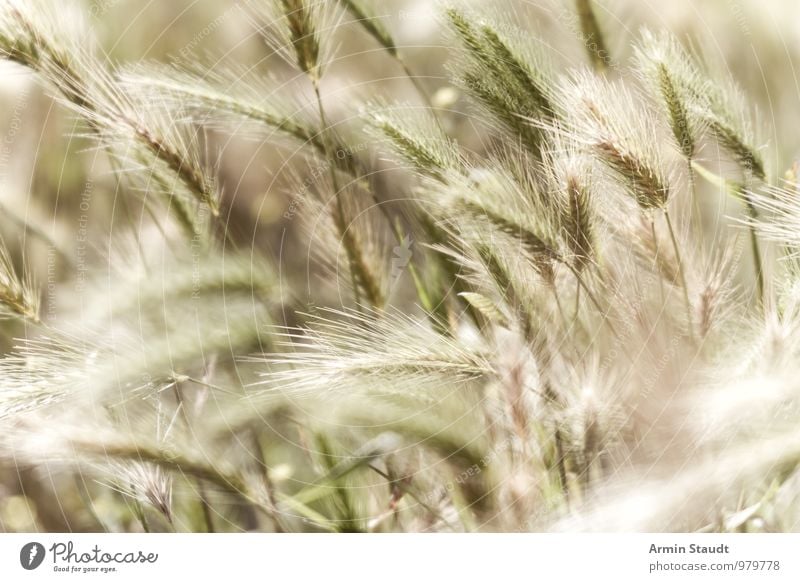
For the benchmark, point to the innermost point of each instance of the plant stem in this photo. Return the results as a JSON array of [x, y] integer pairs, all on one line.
[[268, 484], [201, 488], [697, 214], [593, 39], [206, 507], [561, 312], [561, 464], [331, 160], [80, 485], [138, 510], [655, 243], [680, 272], [415, 81], [593, 299], [37, 232], [738, 190], [757, 263]]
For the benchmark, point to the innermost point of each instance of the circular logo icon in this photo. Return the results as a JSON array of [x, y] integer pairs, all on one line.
[[31, 555]]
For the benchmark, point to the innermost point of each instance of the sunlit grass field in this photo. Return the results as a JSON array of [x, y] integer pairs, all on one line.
[[362, 266]]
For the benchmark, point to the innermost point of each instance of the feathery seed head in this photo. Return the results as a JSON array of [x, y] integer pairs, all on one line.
[[19, 296], [301, 31], [389, 353], [694, 102], [507, 77], [606, 118], [222, 95], [415, 136], [146, 483], [672, 78]]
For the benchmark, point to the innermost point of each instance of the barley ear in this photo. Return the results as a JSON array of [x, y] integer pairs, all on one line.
[[593, 38], [18, 294], [579, 223]]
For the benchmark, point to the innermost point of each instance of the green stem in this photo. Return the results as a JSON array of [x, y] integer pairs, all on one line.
[[561, 311], [268, 484], [757, 262], [738, 191], [37, 232], [681, 273], [655, 242], [201, 489], [593, 299], [593, 39], [138, 510], [83, 491], [206, 507], [561, 465], [415, 81], [698, 215], [331, 159]]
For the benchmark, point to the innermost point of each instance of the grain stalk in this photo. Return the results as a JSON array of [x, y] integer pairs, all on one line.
[[593, 39]]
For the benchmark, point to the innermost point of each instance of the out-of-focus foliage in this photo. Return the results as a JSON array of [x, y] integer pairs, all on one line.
[[299, 265]]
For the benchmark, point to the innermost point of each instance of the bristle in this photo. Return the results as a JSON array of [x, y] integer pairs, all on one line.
[[18, 294], [482, 333], [607, 118], [694, 102], [71, 70], [670, 75], [580, 232], [222, 95], [300, 31], [414, 135], [506, 79]]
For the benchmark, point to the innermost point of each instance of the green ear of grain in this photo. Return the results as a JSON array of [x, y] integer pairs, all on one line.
[[487, 307], [514, 87], [678, 116], [593, 38], [372, 24]]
